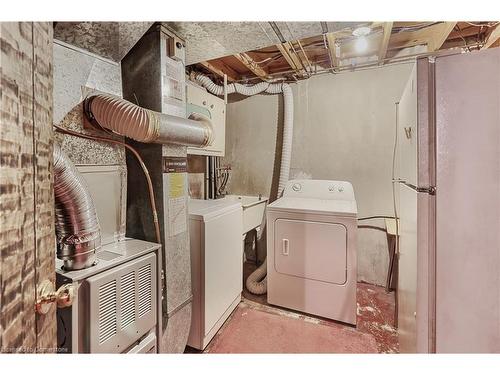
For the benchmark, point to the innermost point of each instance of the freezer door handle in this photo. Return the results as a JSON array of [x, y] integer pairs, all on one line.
[[286, 246], [431, 190]]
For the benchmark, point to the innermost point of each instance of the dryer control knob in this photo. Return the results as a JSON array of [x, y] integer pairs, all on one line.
[[296, 187], [331, 188], [341, 189]]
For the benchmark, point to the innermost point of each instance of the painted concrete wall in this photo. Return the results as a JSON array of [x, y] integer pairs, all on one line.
[[344, 130]]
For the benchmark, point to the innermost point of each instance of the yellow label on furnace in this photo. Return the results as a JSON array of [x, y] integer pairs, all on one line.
[[176, 181]]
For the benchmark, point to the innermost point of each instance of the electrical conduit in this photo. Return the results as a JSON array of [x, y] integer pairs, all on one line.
[[256, 283]]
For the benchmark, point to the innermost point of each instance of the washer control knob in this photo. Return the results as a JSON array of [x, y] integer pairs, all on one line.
[[331, 188], [296, 187], [341, 189]]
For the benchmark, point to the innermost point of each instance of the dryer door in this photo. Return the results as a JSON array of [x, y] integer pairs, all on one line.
[[311, 250]]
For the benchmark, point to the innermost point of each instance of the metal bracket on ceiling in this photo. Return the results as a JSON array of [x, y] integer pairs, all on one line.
[[277, 31], [324, 27]]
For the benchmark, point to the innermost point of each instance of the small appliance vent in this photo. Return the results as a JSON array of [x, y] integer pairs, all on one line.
[[145, 290], [127, 294], [107, 311]]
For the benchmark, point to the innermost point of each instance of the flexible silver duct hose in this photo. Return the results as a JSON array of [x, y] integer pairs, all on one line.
[[77, 227], [256, 283], [143, 125]]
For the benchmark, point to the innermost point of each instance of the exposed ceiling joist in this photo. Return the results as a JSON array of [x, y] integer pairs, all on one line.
[[336, 51], [251, 65], [330, 38], [432, 36], [291, 58], [441, 33], [492, 38], [385, 41], [295, 54], [305, 56], [220, 71]]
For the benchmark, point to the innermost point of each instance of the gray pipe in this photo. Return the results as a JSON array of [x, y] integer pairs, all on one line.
[[77, 227]]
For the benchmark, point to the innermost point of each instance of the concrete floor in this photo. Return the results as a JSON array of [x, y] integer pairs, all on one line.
[[256, 327]]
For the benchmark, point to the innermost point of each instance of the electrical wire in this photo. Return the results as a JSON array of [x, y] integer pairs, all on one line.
[[376, 217], [461, 36], [374, 227], [414, 27], [269, 59], [394, 181], [408, 59], [140, 161], [487, 24]]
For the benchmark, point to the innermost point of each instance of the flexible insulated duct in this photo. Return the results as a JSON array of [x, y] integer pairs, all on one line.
[[269, 88], [257, 282], [143, 125], [77, 227]]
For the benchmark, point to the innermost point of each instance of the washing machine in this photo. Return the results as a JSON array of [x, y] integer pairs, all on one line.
[[311, 249]]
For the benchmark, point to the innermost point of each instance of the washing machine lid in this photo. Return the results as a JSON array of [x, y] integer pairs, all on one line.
[[201, 209], [312, 205]]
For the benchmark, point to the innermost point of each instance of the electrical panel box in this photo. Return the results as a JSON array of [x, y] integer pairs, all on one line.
[[201, 102], [176, 48]]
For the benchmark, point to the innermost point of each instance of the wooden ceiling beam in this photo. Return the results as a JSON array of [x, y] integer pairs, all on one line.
[[330, 38], [308, 63], [385, 41], [290, 56], [215, 68], [492, 38], [432, 36], [251, 65], [439, 36]]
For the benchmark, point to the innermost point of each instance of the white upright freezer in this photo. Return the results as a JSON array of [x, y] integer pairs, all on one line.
[[449, 205]]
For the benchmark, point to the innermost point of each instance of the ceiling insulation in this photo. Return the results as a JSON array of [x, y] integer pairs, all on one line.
[[211, 40], [285, 50], [309, 48], [111, 40]]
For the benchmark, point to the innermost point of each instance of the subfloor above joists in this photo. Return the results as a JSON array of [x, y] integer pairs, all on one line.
[[337, 50]]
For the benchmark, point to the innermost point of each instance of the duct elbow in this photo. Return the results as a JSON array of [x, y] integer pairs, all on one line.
[[77, 227]]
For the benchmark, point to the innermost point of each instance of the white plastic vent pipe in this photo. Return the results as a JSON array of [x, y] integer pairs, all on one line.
[[256, 282], [270, 88]]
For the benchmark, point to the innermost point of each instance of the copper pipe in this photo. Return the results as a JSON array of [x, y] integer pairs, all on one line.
[[368, 65], [141, 163]]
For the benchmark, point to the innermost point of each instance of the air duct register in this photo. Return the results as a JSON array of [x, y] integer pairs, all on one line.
[[176, 49]]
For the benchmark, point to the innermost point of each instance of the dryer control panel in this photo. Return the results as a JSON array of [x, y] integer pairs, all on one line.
[[319, 189]]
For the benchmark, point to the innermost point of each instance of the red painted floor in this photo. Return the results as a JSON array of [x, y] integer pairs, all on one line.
[[256, 327]]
